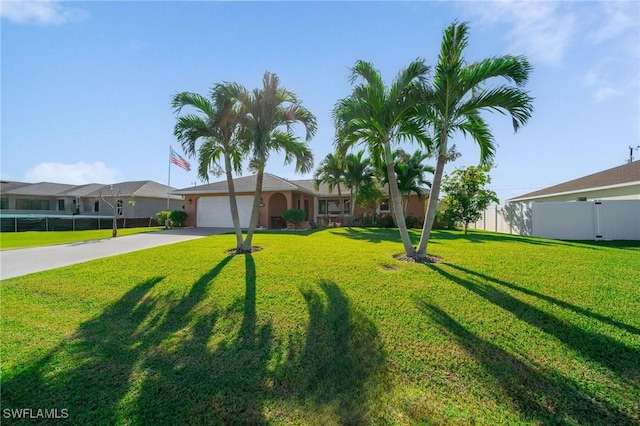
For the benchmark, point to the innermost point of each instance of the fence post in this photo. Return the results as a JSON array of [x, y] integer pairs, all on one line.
[[73, 223], [16, 223], [496, 227], [46, 223], [149, 222], [124, 223]]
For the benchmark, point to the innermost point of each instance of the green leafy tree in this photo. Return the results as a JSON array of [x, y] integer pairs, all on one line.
[[466, 194], [267, 116], [459, 93], [380, 117], [332, 173], [212, 135]]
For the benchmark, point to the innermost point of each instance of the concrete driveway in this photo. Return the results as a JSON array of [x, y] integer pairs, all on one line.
[[14, 263]]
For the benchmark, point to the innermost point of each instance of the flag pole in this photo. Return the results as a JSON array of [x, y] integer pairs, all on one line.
[[166, 222]]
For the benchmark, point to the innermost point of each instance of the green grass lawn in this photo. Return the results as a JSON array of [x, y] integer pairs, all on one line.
[[12, 240], [328, 328]]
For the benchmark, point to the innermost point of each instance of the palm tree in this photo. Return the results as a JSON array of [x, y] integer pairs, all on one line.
[[216, 127], [357, 173], [267, 117], [460, 92], [410, 173], [380, 117], [332, 173]]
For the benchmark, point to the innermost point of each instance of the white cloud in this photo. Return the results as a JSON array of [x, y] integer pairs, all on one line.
[[75, 174], [605, 93], [538, 30], [614, 20], [48, 12]]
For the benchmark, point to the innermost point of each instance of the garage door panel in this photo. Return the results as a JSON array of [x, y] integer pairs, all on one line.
[[215, 212]]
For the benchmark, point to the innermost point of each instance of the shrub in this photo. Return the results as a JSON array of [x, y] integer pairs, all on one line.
[[294, 216], [413, 222], [385, 221], [177, 217], [444, 220], [162, 217]]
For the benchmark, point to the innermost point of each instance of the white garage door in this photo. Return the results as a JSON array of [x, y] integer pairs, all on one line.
[[215, 212]]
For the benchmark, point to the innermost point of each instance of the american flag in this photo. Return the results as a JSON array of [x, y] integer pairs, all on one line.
[[179, 161]]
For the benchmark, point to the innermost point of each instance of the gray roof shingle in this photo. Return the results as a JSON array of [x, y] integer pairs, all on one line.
[[617, 176]]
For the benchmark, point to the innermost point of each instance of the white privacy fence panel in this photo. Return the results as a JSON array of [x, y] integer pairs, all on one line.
[[580, 220], [618, 220], [564, 220]]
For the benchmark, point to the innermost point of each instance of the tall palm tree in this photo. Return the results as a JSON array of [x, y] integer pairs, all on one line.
[[358, 172], [332, 173], [459, 94], [379, 117], [267, 116], [215, 126]]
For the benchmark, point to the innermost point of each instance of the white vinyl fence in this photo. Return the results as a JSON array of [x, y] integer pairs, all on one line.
[[580, 220]]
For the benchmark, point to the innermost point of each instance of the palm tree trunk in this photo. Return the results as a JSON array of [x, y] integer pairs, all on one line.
[[341, 206], [353, 207], [396, 200], [234, 205], [432, 205], [255, 212]]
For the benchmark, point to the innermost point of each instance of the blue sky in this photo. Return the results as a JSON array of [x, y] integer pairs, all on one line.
[[86, 86]]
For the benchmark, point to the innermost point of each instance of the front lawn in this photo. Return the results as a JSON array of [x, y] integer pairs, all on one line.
[[11, 240], [328, 328]]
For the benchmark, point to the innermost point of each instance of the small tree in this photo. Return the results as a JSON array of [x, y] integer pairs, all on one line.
[[467, 196], [114, 201], [294, 216]]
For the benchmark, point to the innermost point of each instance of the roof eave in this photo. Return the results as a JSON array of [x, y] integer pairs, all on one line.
[[575, 191]]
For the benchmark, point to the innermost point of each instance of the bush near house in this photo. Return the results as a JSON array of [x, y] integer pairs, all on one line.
[[294, 216], [177, 218]]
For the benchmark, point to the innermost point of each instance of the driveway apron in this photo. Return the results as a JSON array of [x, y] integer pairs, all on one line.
[[14, 263]]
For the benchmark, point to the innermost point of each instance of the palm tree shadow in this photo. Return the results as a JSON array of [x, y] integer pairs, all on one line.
[[604, 350], [603, 318], [542, 396], [339, 363], [88, 373], [224, 385]]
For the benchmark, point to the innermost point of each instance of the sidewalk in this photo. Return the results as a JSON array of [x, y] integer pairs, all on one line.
[[14, 263]]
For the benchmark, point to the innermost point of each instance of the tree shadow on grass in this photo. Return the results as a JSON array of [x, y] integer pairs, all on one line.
[[540, 395], [223, 385], [145, 360], [604, 350], [88, 373], [373, 235], [603, 318], [339, 366]]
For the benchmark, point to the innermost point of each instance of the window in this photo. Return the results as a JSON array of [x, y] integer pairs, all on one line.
[[332, 206], [26, 204], [384, 205], [119, 209], [4, 203], [96, 206], [61, 205]]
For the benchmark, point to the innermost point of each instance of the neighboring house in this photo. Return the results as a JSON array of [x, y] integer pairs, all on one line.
[[618, 183], [603, 205], [208, 205], [46, 198]]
